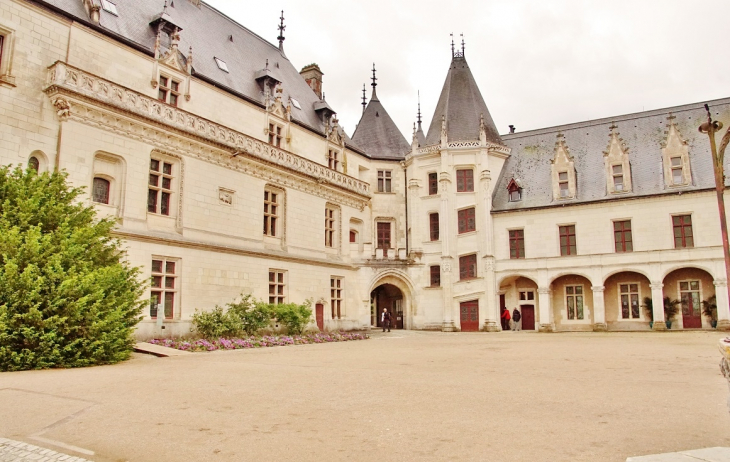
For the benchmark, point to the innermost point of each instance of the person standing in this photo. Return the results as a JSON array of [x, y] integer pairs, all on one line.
[[516, 316], [505, 319], [385, 319]]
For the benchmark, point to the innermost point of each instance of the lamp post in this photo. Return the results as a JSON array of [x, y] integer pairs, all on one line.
[[710, 128]]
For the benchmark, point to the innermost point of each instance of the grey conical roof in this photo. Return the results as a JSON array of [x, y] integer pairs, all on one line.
[[420, 136], [378, 135], [463, 105]]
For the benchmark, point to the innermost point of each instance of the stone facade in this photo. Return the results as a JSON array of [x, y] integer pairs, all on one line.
[[432, 223]]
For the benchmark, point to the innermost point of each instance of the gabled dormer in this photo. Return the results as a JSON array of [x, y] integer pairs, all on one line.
[[563, 171], [616, 164], [675, 157], [278, 118], [514, 190], [171, 70]]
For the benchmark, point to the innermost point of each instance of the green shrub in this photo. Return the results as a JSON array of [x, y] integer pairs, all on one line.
[[67, 296], [215, 323], [249, 314], [294, 317]]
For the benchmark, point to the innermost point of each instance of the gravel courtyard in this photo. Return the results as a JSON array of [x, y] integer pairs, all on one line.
[[405, 396]]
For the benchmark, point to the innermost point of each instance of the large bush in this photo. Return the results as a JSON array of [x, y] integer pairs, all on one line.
[[67, 296], [294, 317]]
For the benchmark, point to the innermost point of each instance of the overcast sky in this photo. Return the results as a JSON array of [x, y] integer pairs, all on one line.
[[537, 63]]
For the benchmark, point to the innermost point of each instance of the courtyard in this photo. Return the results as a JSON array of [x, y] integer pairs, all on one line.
[[420, 396]]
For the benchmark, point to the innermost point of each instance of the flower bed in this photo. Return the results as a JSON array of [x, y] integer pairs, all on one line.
[[258, 342]]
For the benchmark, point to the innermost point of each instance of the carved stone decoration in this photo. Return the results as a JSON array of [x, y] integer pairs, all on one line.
[[225, 196], [97, 102], [63, 109], [616, 164], [172, 57], [675, 156], [446, 267], [482, 131], [444, 136], [563, 171]]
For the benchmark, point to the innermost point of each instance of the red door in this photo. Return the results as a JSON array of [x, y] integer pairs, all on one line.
[[470, 316], [691, 306], [528, 317], [319, 308]]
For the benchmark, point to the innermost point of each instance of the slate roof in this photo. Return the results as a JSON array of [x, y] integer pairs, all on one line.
[[462, 104], [642, 133], [207, 30], [377, 134]]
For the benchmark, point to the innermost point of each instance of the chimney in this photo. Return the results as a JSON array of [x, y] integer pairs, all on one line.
[[313, 76], [511, 129]]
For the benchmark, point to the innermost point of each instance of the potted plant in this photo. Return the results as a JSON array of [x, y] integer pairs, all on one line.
[[709, 309], [648, 306], [671, 308]]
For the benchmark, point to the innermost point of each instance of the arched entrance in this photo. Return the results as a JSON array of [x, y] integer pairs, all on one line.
[[390, 297], [687, 288]]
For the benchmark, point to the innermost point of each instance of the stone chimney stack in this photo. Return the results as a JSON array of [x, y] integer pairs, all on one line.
[[313, 75]]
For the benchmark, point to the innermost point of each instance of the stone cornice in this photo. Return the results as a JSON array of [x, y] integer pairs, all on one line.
[[491, 147], [103, 103]]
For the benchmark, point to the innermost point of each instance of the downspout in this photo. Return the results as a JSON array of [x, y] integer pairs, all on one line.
[[405, 187]]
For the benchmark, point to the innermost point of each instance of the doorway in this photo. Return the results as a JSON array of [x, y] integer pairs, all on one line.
[[469, 316], [691, 306], [390, 297], [528, 317], [319, 313]]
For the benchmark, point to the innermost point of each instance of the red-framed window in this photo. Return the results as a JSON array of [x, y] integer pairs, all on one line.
[[468, 267], [433, 225], [433, 184], [465, 180], [353, 236], [383, 235], [169, 91], [567, 240], [517, 243], [467, 220], [622, 236], [435, 275], [683, 236]]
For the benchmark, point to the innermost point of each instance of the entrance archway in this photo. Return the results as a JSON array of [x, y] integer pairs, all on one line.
[[390, 297], [689, 286]]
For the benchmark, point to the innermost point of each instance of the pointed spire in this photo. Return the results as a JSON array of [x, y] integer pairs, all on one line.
[[282, 28], [453, 51], [364, 99], [419, 110], [374, 84], [462, 45]]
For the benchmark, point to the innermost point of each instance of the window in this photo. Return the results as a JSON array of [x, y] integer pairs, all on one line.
[[563, 184], [433, 184], [618, 177], [384, 181], [34, 163], [629, 294], [221, 64], [271, 212], [516, 244], [383, 235], [567, 240], [353, 236], [682, 225], [527, 295], [160, 187], [336, 296], [622, 236], [329, 227], [677, 170], [689, 294], [164, 287], [295, 103], [169, 90], [100, 192], [333, 159], [574, 301], [515, 195], [109, 7], [7, 38], [468, 267], [467, 221], [433, 223], [276, 287], [435, 275], [464, 180], [275, 135]]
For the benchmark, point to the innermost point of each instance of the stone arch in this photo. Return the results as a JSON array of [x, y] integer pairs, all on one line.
[[515, 275], [570, 272], [402, 282], [606, 276], [680, 266], [42, 159]]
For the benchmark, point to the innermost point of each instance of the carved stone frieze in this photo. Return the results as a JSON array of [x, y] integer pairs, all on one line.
[[109, 106], [465, 144]]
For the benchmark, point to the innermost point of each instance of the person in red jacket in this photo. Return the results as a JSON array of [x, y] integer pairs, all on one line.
[[505, 319]]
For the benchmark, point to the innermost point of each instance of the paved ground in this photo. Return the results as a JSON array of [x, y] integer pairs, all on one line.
[[416, 396]]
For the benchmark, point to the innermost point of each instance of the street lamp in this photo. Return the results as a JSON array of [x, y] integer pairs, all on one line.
[[710, 128]]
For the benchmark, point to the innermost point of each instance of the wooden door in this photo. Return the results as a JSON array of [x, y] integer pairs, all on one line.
[[319, 309], [398, 314], [528, 317], [470, 316], [691, 306]]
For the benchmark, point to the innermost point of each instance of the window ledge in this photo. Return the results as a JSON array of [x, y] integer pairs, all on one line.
[[478, 278], [464, 192], [432, 287], [468, 233], [7, 80], [384, 192]]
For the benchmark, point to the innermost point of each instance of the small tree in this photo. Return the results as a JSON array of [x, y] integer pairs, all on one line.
[[68, 298], [709, 308], [294, 317], [671, 308], [648, 306]]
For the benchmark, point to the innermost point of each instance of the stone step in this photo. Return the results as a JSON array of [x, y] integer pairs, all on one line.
[[697, 455], [157, 350]]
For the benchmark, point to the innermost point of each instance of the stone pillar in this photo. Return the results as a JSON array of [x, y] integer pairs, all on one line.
[[657, 300], [543, 298], [723, 312], [599, 309], [415, 220], [486, 247], [447, 275]]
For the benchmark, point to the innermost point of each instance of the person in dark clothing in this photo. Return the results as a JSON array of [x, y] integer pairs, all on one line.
[[386, 319], [516, 316]]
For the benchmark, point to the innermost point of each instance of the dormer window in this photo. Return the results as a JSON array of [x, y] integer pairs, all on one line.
[[275, 136], [295, 103], [221, 64], [169, 91], [563, 184], [514, 190], [618, 178], [675, 157], [562, 171], [109, 7], [677, 170], [616, 164], [333, 160]]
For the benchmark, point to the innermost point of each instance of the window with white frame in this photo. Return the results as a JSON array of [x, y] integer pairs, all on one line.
[[563, 184], [160, 187], [165, 272], [336, 285], [574, 301], [629, 295], [169, 90], [277, 286], [618, 177]]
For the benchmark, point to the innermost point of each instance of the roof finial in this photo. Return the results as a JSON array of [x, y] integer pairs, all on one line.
[[282, 28], [164, 8], [453, 51], [374, 84], [462, 44], [364, 99], [419, 109]]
